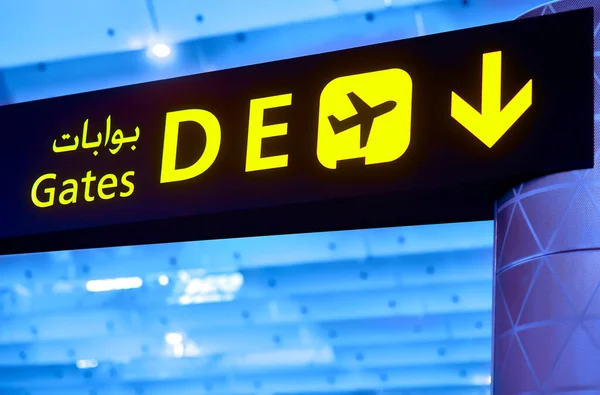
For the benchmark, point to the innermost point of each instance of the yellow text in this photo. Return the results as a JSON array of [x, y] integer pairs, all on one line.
[[47, 188], [257, 132]]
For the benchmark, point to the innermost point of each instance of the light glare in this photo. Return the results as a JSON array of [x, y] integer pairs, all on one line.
[[482, 380], [86, 363], [161, 50], [183, 276], [163, 280], [114, 284], [173, 338], [178, 350]]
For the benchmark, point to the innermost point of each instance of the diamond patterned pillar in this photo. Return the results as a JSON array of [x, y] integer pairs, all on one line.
[[547, 296]]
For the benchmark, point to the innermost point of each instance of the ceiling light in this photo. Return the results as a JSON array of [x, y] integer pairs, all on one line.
[[174, 338], [114, 284], [184, 276], [161, 50], [163, 280], [86, 363]]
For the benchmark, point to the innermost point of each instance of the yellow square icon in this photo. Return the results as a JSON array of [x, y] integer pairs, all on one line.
[[365, 116]]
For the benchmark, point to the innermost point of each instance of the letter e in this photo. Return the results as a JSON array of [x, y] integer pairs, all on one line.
[[257, 132]]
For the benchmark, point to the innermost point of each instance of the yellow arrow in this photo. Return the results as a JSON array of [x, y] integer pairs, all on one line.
[[493, 121]]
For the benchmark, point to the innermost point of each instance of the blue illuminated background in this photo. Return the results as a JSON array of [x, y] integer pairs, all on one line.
[[387, 311], [341, 312]]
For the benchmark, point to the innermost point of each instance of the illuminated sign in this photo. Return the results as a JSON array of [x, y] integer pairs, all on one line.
[[424, 130], [48, 189], [375, 110], [493, 121]]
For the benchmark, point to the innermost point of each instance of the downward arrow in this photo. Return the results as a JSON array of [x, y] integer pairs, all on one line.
[[493, 121]]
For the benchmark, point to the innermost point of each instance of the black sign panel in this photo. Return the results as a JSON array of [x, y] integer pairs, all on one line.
[[424, 130]]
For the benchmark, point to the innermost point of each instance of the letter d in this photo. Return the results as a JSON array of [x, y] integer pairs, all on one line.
[[212, 129]]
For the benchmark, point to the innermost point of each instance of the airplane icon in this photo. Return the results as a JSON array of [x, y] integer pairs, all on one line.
[[372, 94], [365, 116]]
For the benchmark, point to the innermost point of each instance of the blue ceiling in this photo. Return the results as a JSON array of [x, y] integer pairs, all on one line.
[[61, 47]]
